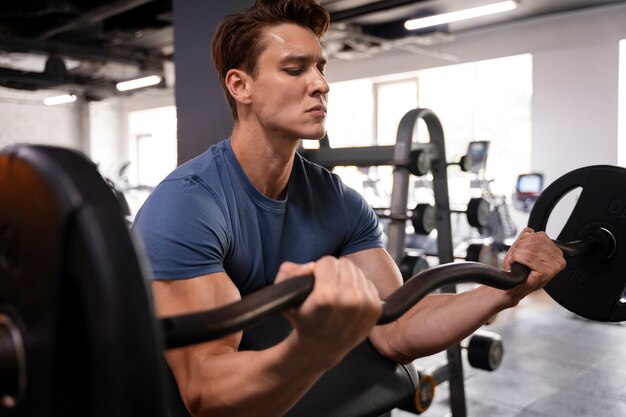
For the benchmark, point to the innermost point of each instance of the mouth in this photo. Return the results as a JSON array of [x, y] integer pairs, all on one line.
[[319, 109]]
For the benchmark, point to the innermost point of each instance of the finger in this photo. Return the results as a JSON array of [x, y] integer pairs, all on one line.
[[348, 284], [525, 232], [327, 276], [541, 244], [289, 270], [542, 264], [358, 296], [506, 263]]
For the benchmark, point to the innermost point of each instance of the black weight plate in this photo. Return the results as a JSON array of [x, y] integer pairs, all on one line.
[[419, 162], [477, 212], [31, 229], [589, 287], [424, 219], [411, 265], [78, 295], [485, 350]]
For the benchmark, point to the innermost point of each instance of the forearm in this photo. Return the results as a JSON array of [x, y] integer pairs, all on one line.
[[437, 322], [250, 383]]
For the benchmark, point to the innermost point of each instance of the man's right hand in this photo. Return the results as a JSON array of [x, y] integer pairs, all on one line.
[[339, 313]]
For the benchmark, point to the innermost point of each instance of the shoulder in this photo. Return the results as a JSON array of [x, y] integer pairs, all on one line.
[[193, 189], [327, 189], [318, 176]]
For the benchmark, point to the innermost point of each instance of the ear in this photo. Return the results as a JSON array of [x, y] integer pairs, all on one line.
[[238, 84]]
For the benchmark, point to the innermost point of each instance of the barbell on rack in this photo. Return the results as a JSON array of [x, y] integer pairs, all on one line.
[[77, 333], [424, 216]]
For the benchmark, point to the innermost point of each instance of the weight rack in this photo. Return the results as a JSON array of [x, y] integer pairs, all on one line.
[[400, 157]]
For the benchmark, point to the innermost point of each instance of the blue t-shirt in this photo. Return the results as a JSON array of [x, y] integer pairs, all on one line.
[[207, 217]]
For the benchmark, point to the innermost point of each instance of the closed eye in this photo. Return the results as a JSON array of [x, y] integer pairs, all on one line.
[[293, 71]]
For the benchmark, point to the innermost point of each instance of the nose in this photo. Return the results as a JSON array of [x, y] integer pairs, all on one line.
[[319, 86]]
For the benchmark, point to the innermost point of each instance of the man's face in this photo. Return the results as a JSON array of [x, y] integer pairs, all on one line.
[[289, 92]]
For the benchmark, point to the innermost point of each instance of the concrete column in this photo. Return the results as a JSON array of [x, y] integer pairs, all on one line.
[[202, 112]]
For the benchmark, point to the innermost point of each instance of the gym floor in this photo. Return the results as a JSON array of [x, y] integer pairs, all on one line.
[[555, 365]]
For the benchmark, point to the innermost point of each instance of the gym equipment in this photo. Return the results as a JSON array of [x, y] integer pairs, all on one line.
[[423, 216], [419, 162], [593, 285], [475, 159], [76, 313], [425, 392], [415, 261], [527, 190], [477, 212], [399, 156], [411, 265], [484, 350]]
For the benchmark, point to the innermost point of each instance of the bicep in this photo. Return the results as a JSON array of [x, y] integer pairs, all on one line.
[[379, 267], [183, 296]]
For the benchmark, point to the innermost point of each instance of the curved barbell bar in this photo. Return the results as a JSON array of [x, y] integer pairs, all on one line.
[[254, 308]]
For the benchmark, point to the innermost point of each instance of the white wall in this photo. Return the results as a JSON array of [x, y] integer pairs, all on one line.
[[25, 119], [99, 129], [575, 75], [107, 135]]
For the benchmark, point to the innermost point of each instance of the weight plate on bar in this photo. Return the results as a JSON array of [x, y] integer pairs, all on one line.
[[485, 350], [419, 162], [478, 210], [424, 219], [590, 287], [73, 286], [411, 265], [478, 252]]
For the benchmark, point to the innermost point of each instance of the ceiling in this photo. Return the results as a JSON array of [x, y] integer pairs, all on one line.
[[87, 46]]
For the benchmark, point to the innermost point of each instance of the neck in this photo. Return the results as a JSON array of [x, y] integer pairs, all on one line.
[[266, 159]]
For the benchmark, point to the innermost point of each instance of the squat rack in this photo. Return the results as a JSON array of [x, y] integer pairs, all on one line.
[[401, 156]]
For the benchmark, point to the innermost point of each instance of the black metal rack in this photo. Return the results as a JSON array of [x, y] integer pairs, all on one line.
[[399, 156]]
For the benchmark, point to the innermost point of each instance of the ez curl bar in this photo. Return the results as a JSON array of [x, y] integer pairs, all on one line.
[[78, 337]]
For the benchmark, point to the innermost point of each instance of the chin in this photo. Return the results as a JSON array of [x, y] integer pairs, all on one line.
[[315, 134]]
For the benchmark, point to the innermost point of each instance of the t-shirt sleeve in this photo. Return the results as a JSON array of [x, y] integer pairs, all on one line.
[[184, 230], [364, 226]]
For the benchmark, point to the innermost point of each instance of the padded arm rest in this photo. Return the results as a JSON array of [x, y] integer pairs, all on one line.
[[363, 384]]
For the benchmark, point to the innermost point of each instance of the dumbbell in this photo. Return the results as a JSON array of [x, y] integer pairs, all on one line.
[[424, 216], [424, 393], [412, 264], [484, 350]]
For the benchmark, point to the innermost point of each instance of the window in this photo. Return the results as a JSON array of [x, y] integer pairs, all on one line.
[[350, 111], [153, 152], [480, 101], [486, 100], [393, 100]]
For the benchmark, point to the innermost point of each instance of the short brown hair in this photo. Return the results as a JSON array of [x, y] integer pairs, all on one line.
[[237, 41]]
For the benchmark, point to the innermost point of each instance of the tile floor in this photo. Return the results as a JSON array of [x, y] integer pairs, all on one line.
[[555, 365]]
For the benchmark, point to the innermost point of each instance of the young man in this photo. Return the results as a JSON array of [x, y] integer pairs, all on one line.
[[250, 211]]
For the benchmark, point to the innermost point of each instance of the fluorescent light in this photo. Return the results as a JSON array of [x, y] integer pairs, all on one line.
[[65, 98], [440, 19], [139, 83]]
